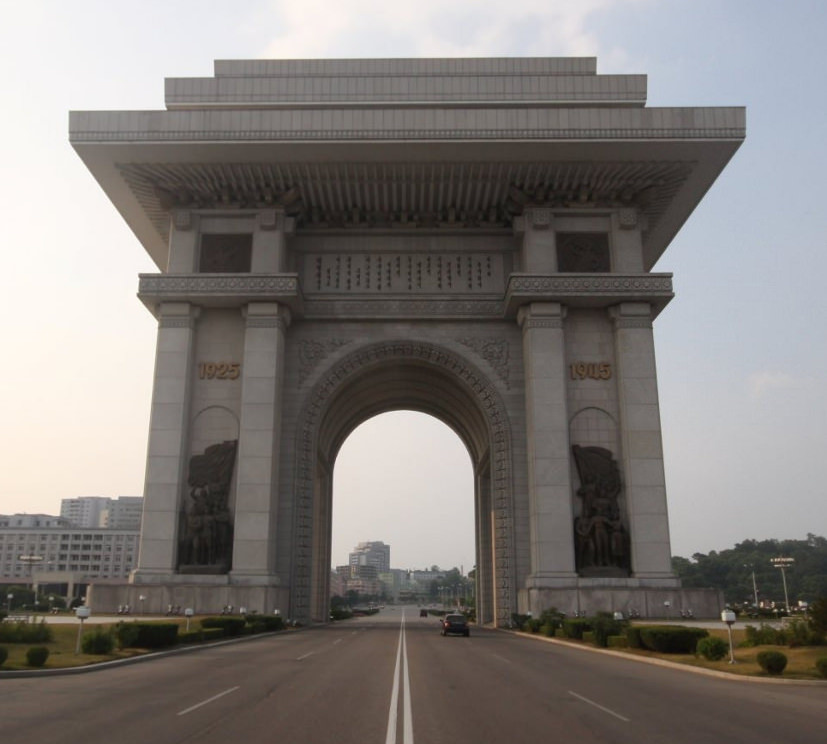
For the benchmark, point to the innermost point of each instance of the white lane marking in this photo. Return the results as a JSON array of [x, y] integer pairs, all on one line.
[[407, 716], [407, 721], [600, 707], [208, 700], [390, 736], [302, 658], [502, 658], [338, 640]]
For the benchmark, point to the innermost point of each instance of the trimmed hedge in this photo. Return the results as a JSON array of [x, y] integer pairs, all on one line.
[[146, 635], [821, 666], [617, 641], [4, 654], [588, 636], [671, 639], [772, 662], [232, 626], [575, 627], [36, 656]]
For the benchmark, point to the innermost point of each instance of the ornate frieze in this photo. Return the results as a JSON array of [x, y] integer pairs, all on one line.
[[494, 351], [220, 289], [589, 290], [311, 353]]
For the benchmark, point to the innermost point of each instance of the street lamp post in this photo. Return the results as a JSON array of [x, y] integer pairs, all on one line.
[[784, 564], [754, 586], [728, 616], [81, 613]]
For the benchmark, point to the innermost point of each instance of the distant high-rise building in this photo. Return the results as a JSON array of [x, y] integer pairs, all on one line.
[[375, 554], [123, 513]]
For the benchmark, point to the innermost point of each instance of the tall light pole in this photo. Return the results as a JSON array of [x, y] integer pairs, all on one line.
[[783, 564], [754, 587]]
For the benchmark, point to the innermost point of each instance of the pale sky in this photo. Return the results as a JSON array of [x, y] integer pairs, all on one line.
[[742, 349]]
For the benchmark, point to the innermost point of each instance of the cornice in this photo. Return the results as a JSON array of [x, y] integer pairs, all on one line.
[[220, 290], [589, 290]]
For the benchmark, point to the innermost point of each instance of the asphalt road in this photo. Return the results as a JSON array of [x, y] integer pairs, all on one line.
[[389, 681]]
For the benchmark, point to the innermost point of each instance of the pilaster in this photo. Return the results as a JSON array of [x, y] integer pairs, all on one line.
[[643, 473], [258, 451], [539, 248], [549, 470], [168, 430]]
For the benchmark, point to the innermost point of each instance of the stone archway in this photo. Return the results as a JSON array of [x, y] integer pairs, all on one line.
[[414, 376]]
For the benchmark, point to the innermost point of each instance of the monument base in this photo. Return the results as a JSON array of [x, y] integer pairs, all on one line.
[[201, 598], [590, 596]]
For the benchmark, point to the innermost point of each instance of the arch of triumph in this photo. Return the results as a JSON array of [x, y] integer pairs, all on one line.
[[469, 238]]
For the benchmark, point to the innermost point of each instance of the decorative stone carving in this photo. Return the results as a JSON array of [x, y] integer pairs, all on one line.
[[601, 541], [313, 352], [494, 351], [206, 530]]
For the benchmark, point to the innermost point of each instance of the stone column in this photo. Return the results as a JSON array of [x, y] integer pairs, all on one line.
[[547, 437], [256, 506], [642, 449], [166, 467]]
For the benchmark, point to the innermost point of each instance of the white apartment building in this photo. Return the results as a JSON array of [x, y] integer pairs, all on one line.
[[29, 552], [375, 554], [123, 513]]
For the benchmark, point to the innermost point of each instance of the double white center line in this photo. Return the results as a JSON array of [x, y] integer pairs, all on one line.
[[401, 669]]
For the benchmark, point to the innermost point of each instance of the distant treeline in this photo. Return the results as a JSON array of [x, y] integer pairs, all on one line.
[[731, 570]]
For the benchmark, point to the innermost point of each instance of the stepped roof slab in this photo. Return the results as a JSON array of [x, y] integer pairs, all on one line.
[[429, 142]]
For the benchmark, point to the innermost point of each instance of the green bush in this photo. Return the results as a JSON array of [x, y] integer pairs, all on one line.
[[271, 622], [99, 642], [212, 634], [340, 613], [532, 625], [617, 641], [575, 627], [671, 639], [548, 630], [36, 656], [588, 636], [713, 648], [4, 654], [772, 662], [232, 626], [801, 633], [604, 625], [518, 621], [26, 632], [764, 635], [147, 635], [821, 666], [818, 616]]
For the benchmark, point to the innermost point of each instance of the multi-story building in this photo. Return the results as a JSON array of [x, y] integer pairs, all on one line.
[[123, 513], [375, 554], [39, 549], [100, 511]]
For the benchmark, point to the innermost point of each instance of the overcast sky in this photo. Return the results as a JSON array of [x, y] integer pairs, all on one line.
[[741, 349]]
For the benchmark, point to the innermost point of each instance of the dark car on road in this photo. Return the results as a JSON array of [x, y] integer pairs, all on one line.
[[455, 624]]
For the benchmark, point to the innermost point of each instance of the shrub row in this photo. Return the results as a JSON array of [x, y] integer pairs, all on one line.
[[795, 633], [146, 635], [25, 632]]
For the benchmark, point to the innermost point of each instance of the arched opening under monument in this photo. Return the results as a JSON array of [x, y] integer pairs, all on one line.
[[415, 377], [405, 479]]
